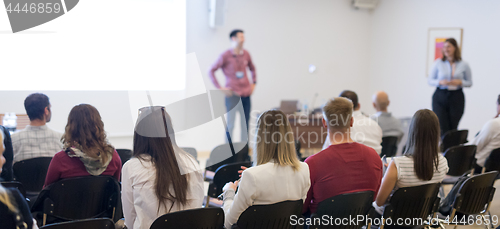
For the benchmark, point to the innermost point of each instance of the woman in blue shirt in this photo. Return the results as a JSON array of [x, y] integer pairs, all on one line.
[[449, 74]]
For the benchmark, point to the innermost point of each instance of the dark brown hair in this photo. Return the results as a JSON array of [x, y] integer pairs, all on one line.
[[457, 55], [162, 154], [423, 143], [85, 131]]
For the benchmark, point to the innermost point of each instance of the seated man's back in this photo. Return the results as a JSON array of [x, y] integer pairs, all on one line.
[[36, 141], [391, 126], [342, 168], [365, 131], [487, 140]]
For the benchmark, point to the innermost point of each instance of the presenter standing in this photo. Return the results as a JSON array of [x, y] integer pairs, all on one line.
[[234, 63], [449, 74]]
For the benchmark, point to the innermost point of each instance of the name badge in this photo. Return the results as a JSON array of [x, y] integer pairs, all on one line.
[[239, 74]]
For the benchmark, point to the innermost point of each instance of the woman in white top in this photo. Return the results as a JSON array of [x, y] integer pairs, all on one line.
[[277, 174], [421, 164], [160, 178]]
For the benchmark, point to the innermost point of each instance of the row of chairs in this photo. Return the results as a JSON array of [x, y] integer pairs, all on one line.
[[416, 203], [450, 139]]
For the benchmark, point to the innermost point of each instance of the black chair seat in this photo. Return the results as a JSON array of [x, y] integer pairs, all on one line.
[[493, 161], [453, 138], [83, 224], [125, 155], [224, 174], [345, 206], [389, 146], [417, 202], [31, 173], [272, 216], [202, 218], [79, 198], [473, 198]]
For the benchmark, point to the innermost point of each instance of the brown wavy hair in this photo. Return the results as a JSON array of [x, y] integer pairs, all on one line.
[[162, 154], [85, 131], [423, 143], [457, 55]]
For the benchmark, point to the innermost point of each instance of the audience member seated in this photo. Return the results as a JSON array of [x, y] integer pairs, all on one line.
[[14, 211], [488, 139], [86, 149], [7, 173], [364, 130], [36, 140], [277, 174], [345, 166], [391, 127], [160, 178], [421, 163]]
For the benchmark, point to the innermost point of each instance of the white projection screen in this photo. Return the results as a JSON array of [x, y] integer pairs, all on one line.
[[105, 45]]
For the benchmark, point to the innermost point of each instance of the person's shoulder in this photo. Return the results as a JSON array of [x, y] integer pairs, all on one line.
[[438, 61], [133, 162], [61, 155], [319, 155]]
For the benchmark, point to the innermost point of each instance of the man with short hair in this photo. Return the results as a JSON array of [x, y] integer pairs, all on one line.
[[488, 139], [345, 166], [36, 140], [364, 130], [391, 126], [234, 63]]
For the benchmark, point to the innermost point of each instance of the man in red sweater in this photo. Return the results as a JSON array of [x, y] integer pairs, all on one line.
[[345, 166]]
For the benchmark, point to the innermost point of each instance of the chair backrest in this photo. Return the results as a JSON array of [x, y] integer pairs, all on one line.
[[224, 174], [389, 146], [493, 161], [453, 138], [83, 224], [460, 159], [191, 151], [15, 184], [413, 203], [476, 193], [345, 206], [223, 154], [31, 172], [272, 216], [81, 198], [202, 218], [125, 154]]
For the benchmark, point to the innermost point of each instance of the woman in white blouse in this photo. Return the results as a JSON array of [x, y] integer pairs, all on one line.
[[160, 178], [277, 174], [421, 163]]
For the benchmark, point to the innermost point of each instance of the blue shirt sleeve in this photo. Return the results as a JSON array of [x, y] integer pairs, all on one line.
[[433, 79]]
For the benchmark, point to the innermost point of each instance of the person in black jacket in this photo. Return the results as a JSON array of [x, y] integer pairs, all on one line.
[[14, 210], [7, 174]]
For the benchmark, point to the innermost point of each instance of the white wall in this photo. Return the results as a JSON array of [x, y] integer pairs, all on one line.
[[352, 49], [398, 50], [283, 38]]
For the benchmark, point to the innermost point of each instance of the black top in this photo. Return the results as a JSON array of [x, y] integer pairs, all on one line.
[[7, 174], [7, 217]]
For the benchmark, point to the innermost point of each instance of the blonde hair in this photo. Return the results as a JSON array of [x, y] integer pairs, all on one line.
[[274, 140], [338, 113]]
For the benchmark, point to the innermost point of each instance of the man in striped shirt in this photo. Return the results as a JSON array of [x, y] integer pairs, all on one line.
[[36, 140]]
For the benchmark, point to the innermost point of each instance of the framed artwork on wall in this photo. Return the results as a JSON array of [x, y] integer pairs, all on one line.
[[435, 41]]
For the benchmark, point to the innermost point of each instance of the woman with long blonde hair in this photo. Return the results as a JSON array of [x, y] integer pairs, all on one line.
[[86, 152], [277, 174]]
